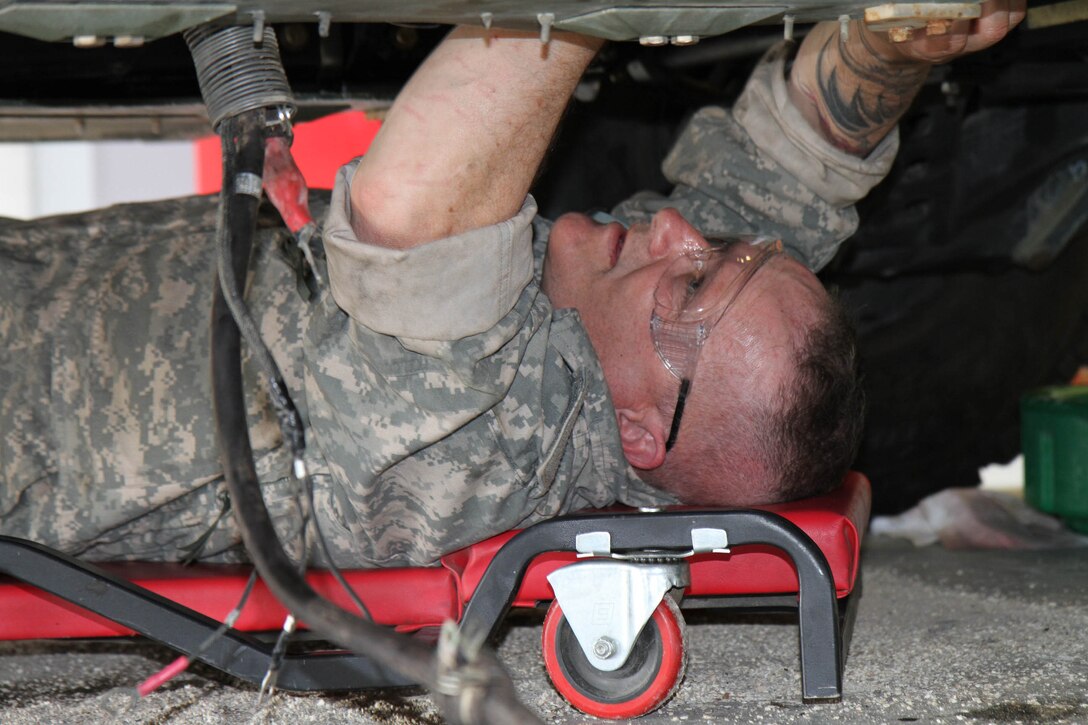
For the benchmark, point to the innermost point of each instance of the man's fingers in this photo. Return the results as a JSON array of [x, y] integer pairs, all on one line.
[[997, 19], [940, 48], [937, 48], [1017, 11]]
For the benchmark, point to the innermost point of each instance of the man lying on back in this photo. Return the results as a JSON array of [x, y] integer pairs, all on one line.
[[470, 367]]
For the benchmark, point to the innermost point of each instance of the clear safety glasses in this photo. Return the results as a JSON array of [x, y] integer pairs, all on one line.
[[693, 295]]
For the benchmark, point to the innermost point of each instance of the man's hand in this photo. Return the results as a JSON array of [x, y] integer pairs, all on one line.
[[964, 36], [854, 92]]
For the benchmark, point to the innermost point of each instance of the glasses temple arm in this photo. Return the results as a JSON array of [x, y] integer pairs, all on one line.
[[681, 399]]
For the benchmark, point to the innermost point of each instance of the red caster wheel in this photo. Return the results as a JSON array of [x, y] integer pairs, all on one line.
[[646, 680]]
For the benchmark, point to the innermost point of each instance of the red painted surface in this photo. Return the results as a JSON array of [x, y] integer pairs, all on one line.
[[29, 613], [321, 147]]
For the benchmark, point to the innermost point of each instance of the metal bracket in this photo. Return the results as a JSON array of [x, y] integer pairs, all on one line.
[[703, 541], [258, 26], [324, 23], [902, 19], [607, 603], [546, 20]]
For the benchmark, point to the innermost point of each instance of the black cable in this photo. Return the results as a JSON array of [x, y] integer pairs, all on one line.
[[235, 170], [327, 554], [242, 134], [494, 700], [290, 421]]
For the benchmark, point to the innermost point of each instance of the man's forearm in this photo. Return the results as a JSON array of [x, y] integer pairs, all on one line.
[[463, 141], [852, 91]]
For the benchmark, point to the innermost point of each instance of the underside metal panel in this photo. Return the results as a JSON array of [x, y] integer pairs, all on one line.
[[62, 21], [625, 23], [634, 19]]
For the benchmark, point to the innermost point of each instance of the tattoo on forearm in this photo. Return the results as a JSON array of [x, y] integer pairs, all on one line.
[[862, 97]]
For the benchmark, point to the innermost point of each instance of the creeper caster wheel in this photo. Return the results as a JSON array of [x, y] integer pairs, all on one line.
[[643, 683]]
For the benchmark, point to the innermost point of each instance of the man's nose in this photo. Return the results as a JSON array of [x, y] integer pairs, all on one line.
[[671, 234]]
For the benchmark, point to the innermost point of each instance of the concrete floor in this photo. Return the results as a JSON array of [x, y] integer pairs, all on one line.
[[941, 637]]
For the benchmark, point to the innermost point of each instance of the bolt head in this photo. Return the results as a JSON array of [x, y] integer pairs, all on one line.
[[940, 26], [604, 648], [128, 41], [901, 34], [88, 41]]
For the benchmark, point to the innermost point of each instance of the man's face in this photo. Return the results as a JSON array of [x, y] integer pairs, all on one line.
[[609, 275]]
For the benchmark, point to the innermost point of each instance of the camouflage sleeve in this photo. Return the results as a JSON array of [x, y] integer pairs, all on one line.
[[442, 291], [762, 169]]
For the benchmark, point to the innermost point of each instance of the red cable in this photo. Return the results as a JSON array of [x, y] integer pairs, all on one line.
[[163, 676], [285, 185]]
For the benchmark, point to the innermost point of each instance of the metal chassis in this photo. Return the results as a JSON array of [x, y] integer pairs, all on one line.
[[247, 657]]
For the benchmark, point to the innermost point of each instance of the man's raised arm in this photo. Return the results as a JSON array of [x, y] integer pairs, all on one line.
[[463, 141], [854, 92]]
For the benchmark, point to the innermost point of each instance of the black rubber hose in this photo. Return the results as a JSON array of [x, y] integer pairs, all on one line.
[[494, 700]]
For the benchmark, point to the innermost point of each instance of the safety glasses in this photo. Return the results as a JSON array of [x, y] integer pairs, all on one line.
[[691, 298]]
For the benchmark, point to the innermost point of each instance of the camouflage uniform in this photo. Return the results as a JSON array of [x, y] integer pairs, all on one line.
[[445, 399]]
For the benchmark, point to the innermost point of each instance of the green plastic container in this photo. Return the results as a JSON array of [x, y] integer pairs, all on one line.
[[1054, 434]]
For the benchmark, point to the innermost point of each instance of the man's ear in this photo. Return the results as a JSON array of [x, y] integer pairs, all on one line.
[[643, 436]]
